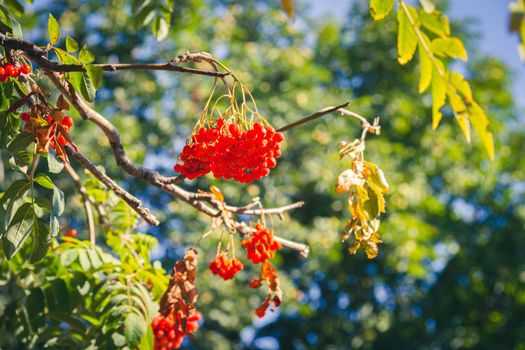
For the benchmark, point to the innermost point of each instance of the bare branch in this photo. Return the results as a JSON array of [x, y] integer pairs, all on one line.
[[313, 116], [85, 200], [39, 55], [263, 211], [132, 201]]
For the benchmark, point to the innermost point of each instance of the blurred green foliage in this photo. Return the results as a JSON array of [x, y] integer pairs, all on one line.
[[451, 271]]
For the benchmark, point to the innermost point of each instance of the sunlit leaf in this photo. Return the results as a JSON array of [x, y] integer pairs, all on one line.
[[406, 36], [379, 9]]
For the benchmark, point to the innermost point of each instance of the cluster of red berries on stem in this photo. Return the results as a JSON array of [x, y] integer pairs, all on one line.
[[170, 331], [224, 267], [8, 70], [241, 151], [261, 245]]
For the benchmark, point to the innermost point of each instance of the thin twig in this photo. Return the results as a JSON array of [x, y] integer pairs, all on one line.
[[313, 116], [264, 211], [85, 200]]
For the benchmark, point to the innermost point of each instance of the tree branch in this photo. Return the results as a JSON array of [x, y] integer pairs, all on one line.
[[313, 116], [85, 200], [132, 201], [39, 55]]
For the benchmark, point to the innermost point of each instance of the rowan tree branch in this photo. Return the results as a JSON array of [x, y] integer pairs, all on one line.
[[39, 55], [132, 201], [196, 200], [85, 200]]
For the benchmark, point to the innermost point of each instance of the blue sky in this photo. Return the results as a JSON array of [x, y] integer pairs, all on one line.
[[491, 21]]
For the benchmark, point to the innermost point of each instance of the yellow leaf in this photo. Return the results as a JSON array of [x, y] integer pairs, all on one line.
[[371, 249], [354, 247], [377, 177], [480, 122], [406, 35], [456, 102], [451, 47], [289, 8], [435, 22], [458, 81], [379, 9], [425, 65], [439, 94]]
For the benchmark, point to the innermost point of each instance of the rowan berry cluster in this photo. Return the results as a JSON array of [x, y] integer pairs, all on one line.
[[8, 70], [170, 331], [261, 245], [224, 267], [46, 129], [230, 151]]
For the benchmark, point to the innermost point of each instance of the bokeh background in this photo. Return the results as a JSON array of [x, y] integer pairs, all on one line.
[[451, 271]]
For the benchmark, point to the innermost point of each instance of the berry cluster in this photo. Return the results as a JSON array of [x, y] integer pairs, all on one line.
[[224, 267], [47, 128], [261, 245], [231, 152], [170, 331], [8, 70]]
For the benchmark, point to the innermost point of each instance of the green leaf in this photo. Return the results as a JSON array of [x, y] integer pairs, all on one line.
[[53, 164], [58, 201], [464, 124], [57, 296], [425, 65], [406, 36], [435, 22], [379, 9], [35, 304], [84, 56], [53, 29], [439, 94], [118, 339], [134, 329], [40, 241], [69, 256], [160, 28], [95, 75], [17, 29], [20, 142], [15, 191], [71, 44], [95, 259], [84, 260], [144, 16], [44, 181], [19, 229], [54, 225], [87, 88], [451, 47], [147, 341]]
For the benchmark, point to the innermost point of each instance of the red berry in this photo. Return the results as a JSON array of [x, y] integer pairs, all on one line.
[[25, 69], [9, 70], [67, 123]]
